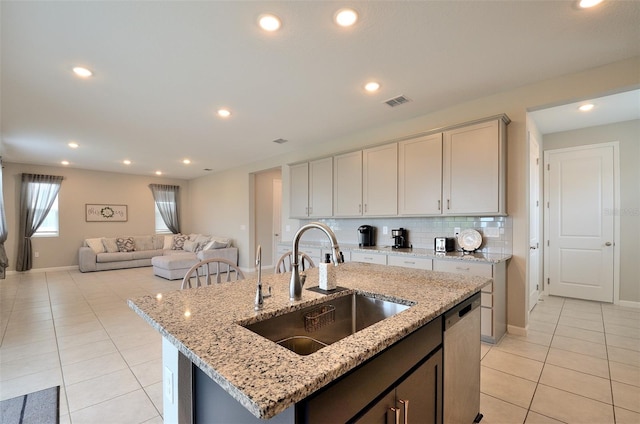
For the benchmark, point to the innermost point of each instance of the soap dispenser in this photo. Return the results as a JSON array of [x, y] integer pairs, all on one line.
[[327, 274]]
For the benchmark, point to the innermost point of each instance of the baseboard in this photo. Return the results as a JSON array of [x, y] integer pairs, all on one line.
[[629, 304], [37, 270], [517, 331]]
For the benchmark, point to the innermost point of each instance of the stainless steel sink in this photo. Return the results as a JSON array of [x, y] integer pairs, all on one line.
[[308, 330]]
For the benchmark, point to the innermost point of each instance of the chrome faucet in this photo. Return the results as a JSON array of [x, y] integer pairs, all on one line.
[[295, 287], [259, 303]]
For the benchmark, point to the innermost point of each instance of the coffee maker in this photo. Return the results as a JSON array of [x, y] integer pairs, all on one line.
[[400, 240], [366, 236]]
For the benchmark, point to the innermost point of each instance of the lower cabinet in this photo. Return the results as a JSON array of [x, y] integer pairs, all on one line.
[[416, 399], [410, 370]]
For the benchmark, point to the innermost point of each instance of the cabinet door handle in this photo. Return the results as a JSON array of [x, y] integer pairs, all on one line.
[[438, 204], [448, 204], [404, 403], [365, 208], [360, 208], [393, 416]]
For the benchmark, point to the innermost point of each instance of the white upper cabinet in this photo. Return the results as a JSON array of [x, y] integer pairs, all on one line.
[[311, 185], [347, 184], [299, 190], [473, 169], [420, 176], [380, 180], [321, 188]]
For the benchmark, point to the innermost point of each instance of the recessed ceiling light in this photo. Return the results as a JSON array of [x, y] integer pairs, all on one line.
[[82, 72], [158, 172], [65, 162], [346, 17], [269, 22], [224, 113], [585, 4], [372, 86], [126, 162], [586, 107], [186, 161], [73, 145]]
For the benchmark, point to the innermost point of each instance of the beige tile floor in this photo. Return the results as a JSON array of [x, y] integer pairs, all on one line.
[[580, 362]]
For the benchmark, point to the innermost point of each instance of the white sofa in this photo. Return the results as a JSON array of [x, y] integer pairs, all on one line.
[[100, 254]]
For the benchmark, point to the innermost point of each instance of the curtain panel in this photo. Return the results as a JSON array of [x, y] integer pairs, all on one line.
[[37, 194], [4, 261], [167, 201]]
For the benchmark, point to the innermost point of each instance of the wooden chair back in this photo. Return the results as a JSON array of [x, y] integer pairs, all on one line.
[[205, 268], [284, 263]]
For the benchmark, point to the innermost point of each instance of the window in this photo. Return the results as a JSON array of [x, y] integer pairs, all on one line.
[[161, 227], [50, 227]]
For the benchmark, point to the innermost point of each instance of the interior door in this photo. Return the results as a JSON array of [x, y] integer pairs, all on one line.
[[277, 218], [580, 186], [534, 220]]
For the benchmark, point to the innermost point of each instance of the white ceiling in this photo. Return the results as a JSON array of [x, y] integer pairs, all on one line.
[[162, 69]]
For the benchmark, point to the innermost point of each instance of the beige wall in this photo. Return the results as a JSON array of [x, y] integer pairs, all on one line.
[[628, 135], [78, 188], [233, 185]]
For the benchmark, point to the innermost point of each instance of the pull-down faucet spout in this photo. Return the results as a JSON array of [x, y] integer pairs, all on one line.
[[295, 287]]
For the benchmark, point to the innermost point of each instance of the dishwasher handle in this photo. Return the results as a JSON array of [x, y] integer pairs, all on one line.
[[461, 310]]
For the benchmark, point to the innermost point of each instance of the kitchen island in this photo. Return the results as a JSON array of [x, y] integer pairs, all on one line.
[[206, 326]]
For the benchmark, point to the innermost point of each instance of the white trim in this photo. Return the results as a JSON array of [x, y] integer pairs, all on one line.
[[517, 331], [628, 304], [616, 203], [37, 270]]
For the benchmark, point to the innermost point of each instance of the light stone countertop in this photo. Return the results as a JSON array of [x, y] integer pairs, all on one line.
[[267, 378], [416, 252]]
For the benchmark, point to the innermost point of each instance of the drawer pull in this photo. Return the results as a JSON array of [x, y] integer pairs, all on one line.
[[410, 262], [459, 268]]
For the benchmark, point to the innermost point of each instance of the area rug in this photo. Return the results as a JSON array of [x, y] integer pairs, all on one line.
[[42, 407]]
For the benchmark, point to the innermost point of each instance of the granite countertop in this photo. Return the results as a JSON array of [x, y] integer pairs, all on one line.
[[267, 378], [417, 252]]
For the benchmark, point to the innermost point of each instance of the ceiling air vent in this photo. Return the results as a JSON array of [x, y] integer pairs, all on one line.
[[280, 141], [397, 101]]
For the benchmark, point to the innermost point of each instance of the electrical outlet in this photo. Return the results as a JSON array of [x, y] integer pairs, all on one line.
[[385, 230], [168, 385], [456, 231], [491, 232], [36, 254]]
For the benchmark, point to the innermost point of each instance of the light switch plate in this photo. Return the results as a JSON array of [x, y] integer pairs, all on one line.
[[168, 385], [385, 230], [491, 232]]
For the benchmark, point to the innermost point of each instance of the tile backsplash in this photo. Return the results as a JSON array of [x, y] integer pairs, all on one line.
[[422, 231]]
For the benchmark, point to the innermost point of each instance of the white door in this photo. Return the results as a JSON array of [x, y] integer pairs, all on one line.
[[534, 220], [277, 218], [580, 184]]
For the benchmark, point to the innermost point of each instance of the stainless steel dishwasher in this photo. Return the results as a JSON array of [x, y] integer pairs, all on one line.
[[461, 368]]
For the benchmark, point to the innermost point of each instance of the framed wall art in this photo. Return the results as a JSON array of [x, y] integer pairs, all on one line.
[[105, 213]]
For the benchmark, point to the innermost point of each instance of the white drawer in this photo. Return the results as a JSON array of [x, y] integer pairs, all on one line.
[[370, 258], [486, 321], [409, 262], [464, 267], [486, 300]]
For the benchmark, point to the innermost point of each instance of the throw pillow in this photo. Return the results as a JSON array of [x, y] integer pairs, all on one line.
[[178, 242], [110, 245], [214, 244], [125, 244], [168, 242], [202, 239], [191, 246], [96, 245]]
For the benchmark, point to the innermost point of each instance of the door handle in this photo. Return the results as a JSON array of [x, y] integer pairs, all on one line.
[[532, 247], [405, 413], [393, 416], [608, 244]]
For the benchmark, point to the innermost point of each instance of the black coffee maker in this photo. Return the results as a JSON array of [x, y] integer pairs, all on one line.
[[400, 240], [366, 236]]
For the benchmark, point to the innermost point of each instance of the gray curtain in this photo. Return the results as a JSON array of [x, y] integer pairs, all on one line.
[[37, 195], [166, 198], [4, 261]]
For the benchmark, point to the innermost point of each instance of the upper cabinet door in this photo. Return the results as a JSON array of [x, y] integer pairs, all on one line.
[[299, 190], [347, 184], [321, 188], [380, 180], [473, 172], [420, 176]]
